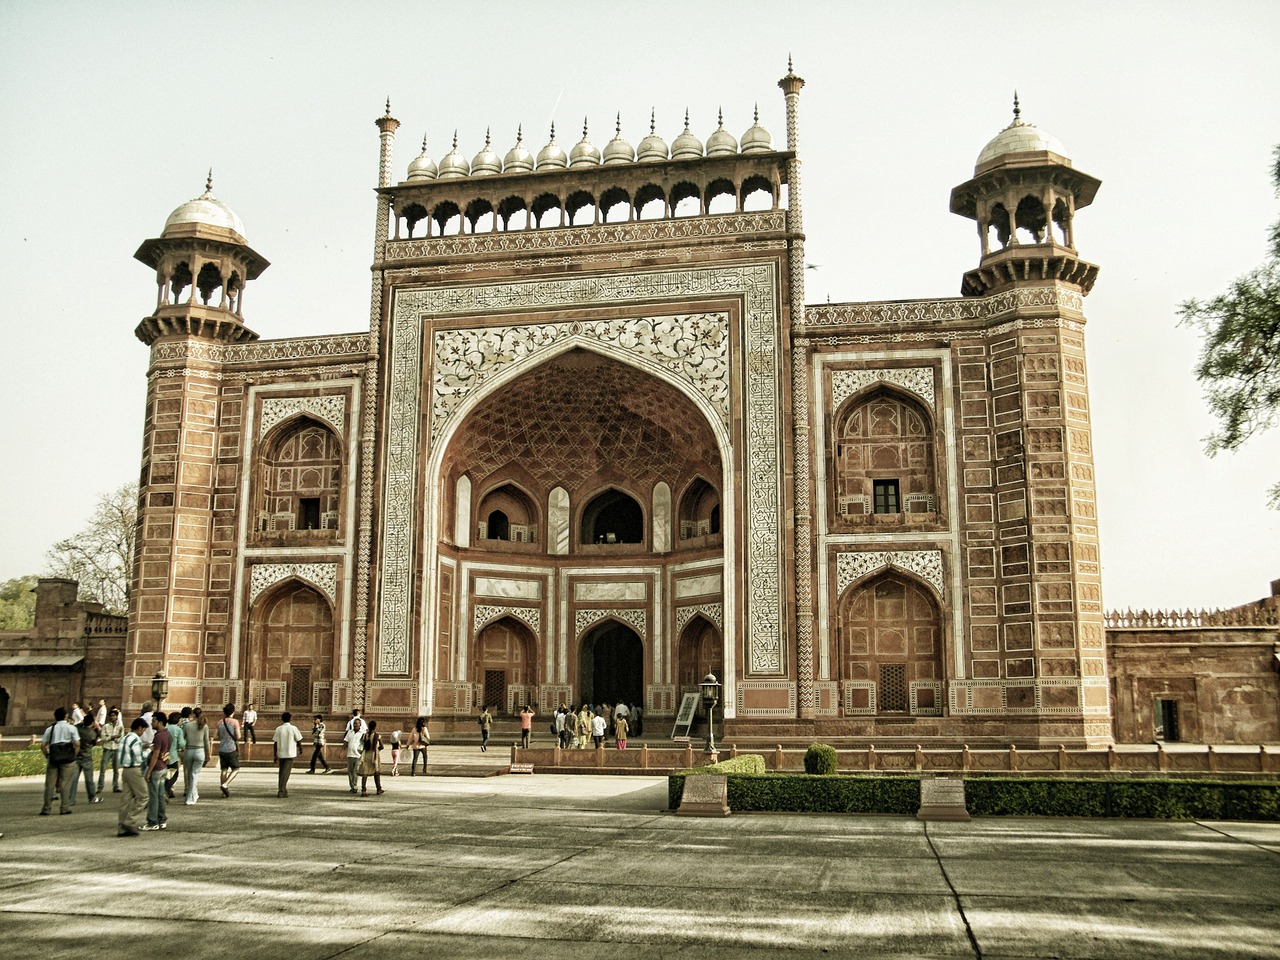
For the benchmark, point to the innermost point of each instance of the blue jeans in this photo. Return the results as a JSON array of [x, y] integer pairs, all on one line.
[[155, 797], [192, 760], [82, 765], [110, 756]]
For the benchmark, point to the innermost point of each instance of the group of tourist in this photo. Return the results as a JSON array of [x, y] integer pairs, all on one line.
[[574, 725], [147, 759]]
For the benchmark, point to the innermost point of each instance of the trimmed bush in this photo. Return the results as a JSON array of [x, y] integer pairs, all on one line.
[[1144, 799], [820, 759], [746, 763], [801, 793]]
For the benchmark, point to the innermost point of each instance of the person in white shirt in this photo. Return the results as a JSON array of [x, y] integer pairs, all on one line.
[[357, 721], [60, 743], [76, 714], [598, 727], [247, 720], [101, 714], [285, 742], [354, 741]]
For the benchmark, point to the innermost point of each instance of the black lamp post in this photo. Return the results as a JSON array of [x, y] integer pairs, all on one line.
[[159, 688], [710, 697]]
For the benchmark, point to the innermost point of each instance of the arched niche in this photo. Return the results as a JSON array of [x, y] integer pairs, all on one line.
[[612, 516], [558, 521], [699, 510], [507, 513], [661, 513], [504, 664], [462, 511], [292, 645], [299, 479], [884, 458], [700, 651], [890, 646]]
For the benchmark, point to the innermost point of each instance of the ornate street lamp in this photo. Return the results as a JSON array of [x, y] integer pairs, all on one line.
[[159, 688], [710, 697]]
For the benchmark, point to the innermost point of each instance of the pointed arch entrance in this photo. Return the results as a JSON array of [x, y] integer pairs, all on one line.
[[503, 666], [699, 653], [291, 648], [611, 664]]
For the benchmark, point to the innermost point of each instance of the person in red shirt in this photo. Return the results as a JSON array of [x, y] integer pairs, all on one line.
[[526, 724]]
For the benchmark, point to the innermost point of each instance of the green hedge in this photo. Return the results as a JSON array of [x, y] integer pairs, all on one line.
[[1144, 799], [1000, 796], [806, 793], [746, 763], [30, 762], [821, 759]]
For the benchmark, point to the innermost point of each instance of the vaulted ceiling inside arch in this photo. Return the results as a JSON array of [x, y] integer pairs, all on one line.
[[581, 417]]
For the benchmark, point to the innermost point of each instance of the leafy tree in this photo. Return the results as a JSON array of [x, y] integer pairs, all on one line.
[[101, 555], [1239, 362], [18, 604]]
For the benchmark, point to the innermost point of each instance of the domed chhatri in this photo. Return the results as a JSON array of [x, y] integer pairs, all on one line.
[[652, 147], [721, 143], [453, 164], [618, 150], [552, 156], [422, 167], [584, 152], [204, 210], [686, 146], [486, 162], [1020, 137], [756, 139], [519, 160]]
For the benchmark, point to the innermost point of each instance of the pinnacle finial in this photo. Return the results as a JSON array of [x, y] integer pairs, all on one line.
[[584, 128], [424, 143], [486, 138], [757, 113], [720, 113], [653, 120], [617, 127], [1017, 109], [686, 118], [455, 139], [553, 131], [520, 133], [208, 181], [388, 113], [790, 69]]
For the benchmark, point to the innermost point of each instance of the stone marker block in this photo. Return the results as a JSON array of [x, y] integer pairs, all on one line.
[[704, 795], [942, 798], [522, 768]]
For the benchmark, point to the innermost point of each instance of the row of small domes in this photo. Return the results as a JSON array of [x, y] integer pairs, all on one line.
[[584, 153]]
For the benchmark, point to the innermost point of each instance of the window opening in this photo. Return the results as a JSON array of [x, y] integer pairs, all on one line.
[[886, 496], [893, 687], [1166, 717], [499, 527], [308, 513]]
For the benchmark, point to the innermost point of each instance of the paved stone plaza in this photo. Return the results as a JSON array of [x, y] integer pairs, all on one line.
[[584, 867]]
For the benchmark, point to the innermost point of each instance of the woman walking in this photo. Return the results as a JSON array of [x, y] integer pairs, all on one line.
[[486, 724], [419, 740], [371, 760], [196, 755]]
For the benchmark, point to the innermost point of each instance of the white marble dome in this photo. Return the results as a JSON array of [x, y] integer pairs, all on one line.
[[205, 209]]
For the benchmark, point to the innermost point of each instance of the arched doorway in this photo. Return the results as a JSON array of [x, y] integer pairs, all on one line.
[[291, 647], [700, 652], [611, 664], [503, 666]]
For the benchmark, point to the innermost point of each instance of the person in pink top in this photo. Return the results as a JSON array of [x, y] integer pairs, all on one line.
[[526, 724]]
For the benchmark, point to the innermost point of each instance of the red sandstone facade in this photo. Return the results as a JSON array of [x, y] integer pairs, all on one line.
[[594, 445]]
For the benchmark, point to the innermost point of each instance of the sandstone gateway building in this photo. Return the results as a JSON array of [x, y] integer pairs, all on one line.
[[594, 445]]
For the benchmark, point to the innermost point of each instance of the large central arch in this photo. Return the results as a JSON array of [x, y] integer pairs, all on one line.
[[611, 665]]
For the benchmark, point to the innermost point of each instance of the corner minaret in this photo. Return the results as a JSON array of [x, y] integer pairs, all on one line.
[[202, 262], [1023, 196]]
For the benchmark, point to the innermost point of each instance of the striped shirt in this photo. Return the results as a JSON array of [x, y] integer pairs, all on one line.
[[130, 752]]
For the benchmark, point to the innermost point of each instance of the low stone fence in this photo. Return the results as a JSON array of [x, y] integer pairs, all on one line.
[[1155, 759]]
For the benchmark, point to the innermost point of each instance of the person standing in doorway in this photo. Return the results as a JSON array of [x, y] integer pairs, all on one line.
[[486, 724], [248, 733], [112, 733], [156, 772], [228, 751], [526, 725], [285, 742], [353, 739], [134, 789], [59, 743], [317, 744], [419, 740]]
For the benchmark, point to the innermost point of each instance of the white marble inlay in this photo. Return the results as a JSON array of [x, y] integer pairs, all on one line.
[[593, 591], [508, 589], [698, 586]]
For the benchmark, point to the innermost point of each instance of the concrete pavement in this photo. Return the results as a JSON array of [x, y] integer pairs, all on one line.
[[586, 867]]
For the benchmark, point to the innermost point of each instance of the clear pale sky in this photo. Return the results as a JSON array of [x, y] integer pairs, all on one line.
[[111, 114]]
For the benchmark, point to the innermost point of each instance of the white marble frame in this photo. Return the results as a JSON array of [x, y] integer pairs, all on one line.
[[946, 414], [758, 339]]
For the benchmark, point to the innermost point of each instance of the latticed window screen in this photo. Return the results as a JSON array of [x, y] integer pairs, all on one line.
[[886, 496], [300, 687], [893, 686]]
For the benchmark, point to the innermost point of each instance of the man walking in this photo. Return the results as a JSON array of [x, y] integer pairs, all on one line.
[[486, 724], [112, 733], [179, 748], [156, 772], [134, 798], [285, 743], [59, 744], [317, 744], [87, 730], [354, 740]]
